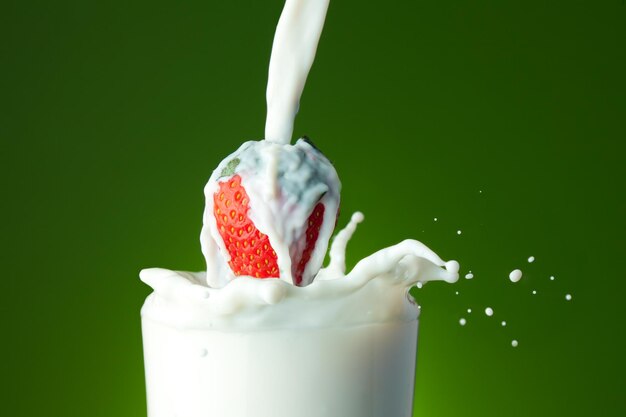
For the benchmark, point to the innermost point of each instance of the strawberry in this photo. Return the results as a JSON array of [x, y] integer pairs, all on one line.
[[250, 250], [273, 208], [312, 233]]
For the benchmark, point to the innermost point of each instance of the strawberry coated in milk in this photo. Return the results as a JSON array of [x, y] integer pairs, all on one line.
[[271, 210]]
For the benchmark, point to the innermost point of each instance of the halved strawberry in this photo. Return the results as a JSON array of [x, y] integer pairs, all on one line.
[[294, 188]]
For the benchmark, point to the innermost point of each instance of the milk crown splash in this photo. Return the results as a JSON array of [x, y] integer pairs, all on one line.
[[374, 291]]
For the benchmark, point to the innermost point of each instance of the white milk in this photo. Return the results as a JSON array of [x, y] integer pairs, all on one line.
[[295, 44], [354, 371], [343, 346]]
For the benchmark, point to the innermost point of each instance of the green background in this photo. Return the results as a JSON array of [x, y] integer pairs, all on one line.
[[114, 114]]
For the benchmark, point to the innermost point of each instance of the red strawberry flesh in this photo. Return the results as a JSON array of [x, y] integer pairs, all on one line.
[[312, 233], [250, 250]]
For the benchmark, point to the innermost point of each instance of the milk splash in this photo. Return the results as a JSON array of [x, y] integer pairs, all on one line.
[[374, 291]]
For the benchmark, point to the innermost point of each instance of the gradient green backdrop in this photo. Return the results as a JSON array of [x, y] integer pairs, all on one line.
[[114, 114]]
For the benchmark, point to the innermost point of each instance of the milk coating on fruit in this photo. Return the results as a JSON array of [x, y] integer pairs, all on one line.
[[295, 44], [282, 198], [374, 291]]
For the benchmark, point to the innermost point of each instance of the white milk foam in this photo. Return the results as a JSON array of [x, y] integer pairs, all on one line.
[[374, 291]]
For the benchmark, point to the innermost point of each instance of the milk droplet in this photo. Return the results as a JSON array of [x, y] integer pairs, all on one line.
[[469, 310], [462, 322], [551, 277], [469, 276], [534, 292], [435, 219], [203, 353], [489, 311], [515, 275], [480, 191], [419, 284], [514, 343], [503, 323], [458, 232], [568, 297], [456, 292], [531, 259]]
